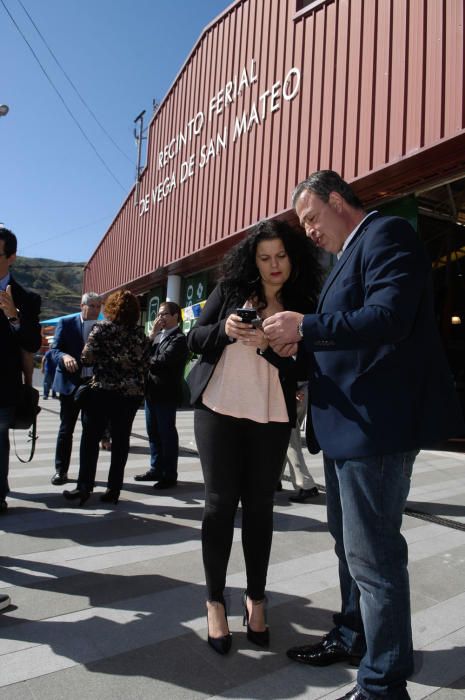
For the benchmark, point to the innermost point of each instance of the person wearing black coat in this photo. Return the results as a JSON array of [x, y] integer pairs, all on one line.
[[244, 398], [163, 394], [19, 333]]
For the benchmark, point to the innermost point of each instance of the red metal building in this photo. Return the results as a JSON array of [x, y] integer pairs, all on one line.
[[275, 89]]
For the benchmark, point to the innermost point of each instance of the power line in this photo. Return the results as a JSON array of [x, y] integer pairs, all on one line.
[[65, 233], [73, 85], [50, 268], [62, 99]]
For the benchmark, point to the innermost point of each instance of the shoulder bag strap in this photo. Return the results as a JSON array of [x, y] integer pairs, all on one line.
[[33, 437]]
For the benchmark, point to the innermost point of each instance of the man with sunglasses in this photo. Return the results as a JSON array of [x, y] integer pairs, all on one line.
[[163, 395]]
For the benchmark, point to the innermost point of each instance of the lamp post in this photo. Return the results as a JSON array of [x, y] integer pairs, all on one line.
[[4, 109]]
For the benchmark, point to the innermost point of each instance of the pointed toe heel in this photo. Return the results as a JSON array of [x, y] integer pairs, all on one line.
[[261, 639], [221, 645]]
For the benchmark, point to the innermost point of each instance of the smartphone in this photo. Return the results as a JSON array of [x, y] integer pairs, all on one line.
[[247, 315]]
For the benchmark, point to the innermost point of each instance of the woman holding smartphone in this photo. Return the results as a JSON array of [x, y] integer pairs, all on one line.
[[244, 398]]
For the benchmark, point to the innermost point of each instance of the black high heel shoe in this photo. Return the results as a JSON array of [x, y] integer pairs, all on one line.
[[75, 494], [110, 496], [220, 644], [261, 639]]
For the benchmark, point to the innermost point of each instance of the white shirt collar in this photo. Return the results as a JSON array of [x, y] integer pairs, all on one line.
[[352, 234], [163, 333]]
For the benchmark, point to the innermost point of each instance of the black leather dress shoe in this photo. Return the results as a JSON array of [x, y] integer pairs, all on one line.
[[59, 479], [303, 494], [76, 494], [3, 506], [165, 484], [146, 476], [110, 496], [328, 651], [354, 694]]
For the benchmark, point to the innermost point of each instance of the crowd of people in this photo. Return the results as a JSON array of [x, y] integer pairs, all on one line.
[[364, 347]]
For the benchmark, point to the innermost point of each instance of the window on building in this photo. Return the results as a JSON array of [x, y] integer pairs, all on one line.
[[307, 4]]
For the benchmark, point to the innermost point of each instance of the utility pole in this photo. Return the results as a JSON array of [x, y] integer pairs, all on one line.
[[139, 136]]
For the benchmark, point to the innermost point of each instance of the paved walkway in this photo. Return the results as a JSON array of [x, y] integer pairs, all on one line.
[[109, 601]]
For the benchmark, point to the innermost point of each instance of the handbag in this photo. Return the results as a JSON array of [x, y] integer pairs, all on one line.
[[26, 408], [25, 417]]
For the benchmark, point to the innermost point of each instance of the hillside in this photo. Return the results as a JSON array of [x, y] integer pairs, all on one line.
[[59, 283]]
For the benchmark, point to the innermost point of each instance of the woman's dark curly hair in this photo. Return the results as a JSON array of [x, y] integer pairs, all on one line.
[[122, 307], [241, 277]]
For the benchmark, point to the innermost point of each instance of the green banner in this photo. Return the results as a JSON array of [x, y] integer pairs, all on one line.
[[194, 289], [155, 298]]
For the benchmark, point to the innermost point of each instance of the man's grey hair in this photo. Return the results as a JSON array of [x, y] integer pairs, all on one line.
[[88, 296], [322, 183]]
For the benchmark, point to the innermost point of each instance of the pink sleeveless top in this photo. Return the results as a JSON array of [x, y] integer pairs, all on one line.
[[245, 385]]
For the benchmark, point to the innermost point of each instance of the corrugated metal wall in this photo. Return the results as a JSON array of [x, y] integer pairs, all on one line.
[[380, 80]]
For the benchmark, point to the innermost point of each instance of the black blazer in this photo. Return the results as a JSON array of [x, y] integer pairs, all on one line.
[[27, 337], [166, 368], [208, 338]]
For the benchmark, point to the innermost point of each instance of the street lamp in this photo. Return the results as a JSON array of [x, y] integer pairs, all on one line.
[[4, 109]]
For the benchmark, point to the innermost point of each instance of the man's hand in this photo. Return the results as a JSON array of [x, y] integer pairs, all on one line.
[[286, 350], [156, 327], [7, 304], [281, 329], [70, 363]]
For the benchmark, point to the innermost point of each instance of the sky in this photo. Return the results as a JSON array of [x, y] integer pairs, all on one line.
[[56, 194]]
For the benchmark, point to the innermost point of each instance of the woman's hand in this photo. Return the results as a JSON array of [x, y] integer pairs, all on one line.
[[245, 333], [236, 328], [257, 339]]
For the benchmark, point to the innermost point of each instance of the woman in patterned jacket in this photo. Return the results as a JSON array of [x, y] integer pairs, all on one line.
[[118, 351]]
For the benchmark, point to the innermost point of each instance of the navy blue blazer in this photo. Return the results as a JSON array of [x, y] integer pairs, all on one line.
[[68, 340], [379, 378]]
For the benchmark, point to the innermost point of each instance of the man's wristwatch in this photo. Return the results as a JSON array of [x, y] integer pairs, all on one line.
[[300, 328]]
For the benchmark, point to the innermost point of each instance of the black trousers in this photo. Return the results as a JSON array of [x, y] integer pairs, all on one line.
[[103, 408], [241, 461], [69, 412]]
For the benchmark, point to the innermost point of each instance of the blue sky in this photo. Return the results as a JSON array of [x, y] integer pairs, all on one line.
[[55, 193]]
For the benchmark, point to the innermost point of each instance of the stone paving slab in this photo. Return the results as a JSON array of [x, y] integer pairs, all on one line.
[[108, 602]]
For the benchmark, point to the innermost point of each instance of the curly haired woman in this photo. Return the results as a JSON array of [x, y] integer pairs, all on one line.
[[117, 349], [244, 397]]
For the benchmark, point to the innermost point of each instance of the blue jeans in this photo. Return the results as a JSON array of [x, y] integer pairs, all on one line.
[[160, 419], [365, 501], [6, 414]]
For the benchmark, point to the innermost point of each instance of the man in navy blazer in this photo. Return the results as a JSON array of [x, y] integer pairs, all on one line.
[[380, 390], [70, 337]]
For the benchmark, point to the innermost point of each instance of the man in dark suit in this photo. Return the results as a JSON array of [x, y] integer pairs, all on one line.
[[70, 337], [380, 390], [19, 336], [163, 395]]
